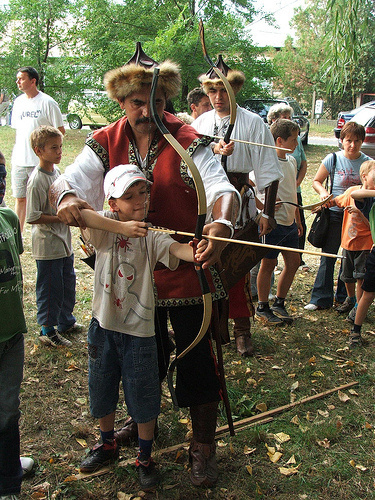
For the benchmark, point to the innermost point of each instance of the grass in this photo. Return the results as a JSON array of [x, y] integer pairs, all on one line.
[[323, 129], [331, 440]]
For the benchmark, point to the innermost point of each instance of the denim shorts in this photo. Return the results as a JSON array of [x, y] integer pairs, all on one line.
[[20, 176], [285, 236], [115, 356]]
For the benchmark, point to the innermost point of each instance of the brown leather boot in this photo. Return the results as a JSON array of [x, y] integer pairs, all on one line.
[[204, 470], [128, 434], [242, 335], [202, 451]]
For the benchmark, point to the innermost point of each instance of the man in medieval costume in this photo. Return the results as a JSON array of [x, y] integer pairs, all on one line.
[[135, 139], [263, 161]]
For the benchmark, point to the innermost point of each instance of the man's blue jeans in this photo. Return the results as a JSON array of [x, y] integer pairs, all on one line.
[[11, 374], [322, 294]]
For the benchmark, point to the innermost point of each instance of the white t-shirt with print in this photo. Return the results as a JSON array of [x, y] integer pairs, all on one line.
[[124, 296], [27, 115]]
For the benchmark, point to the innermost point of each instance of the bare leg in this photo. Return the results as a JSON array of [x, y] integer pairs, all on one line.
[[147, 472], [105, 453], [146, 430], [292, 262], [350, 289], [20, 209], [107, 423], [359, 290], [263, 311], [363, 307], [264, 278]]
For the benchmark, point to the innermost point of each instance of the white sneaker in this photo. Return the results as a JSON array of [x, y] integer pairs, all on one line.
[[27, 465], [311, 307], [54, 339]]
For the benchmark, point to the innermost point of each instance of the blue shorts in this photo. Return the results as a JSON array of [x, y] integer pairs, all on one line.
[[115, 356], [285, 236], [368, 284]]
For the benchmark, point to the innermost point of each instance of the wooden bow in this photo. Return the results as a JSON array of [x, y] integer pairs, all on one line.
[[313, 206], [228, 88], [202, 209]]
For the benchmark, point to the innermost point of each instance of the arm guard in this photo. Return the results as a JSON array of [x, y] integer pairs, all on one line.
[[270, 199]]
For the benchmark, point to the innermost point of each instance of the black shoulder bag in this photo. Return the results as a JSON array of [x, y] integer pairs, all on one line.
[[319, 228]]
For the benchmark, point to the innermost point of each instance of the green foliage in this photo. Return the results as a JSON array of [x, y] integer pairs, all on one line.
[[332, 54], [183, 45], [298, 63], [43, 30], [73, 43], [349, 22]]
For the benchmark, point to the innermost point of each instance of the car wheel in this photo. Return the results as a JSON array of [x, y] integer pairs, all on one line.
[[75, 122], [305, 140]]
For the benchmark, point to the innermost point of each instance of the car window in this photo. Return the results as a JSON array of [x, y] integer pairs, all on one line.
[[364, 115], [297, 110], [259, 107], [256, 106]]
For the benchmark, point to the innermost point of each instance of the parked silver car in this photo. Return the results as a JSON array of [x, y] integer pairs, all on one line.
[[345, 116]]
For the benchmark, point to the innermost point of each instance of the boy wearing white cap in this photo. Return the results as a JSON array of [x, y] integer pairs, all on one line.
[[121, 337]]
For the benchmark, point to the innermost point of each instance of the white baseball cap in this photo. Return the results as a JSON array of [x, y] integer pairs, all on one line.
[[120, 178]]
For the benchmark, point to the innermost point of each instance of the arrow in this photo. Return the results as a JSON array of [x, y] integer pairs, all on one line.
[[249, 243]]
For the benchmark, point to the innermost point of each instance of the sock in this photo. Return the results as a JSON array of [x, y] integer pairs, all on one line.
[[145, 446], [352, 299], [47, 329], [356, 328], [107, 436], [279, 301], [263, 305]]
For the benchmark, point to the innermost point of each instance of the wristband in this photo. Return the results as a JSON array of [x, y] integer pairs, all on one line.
[[61, 196], [227, 223], [265, 216]]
